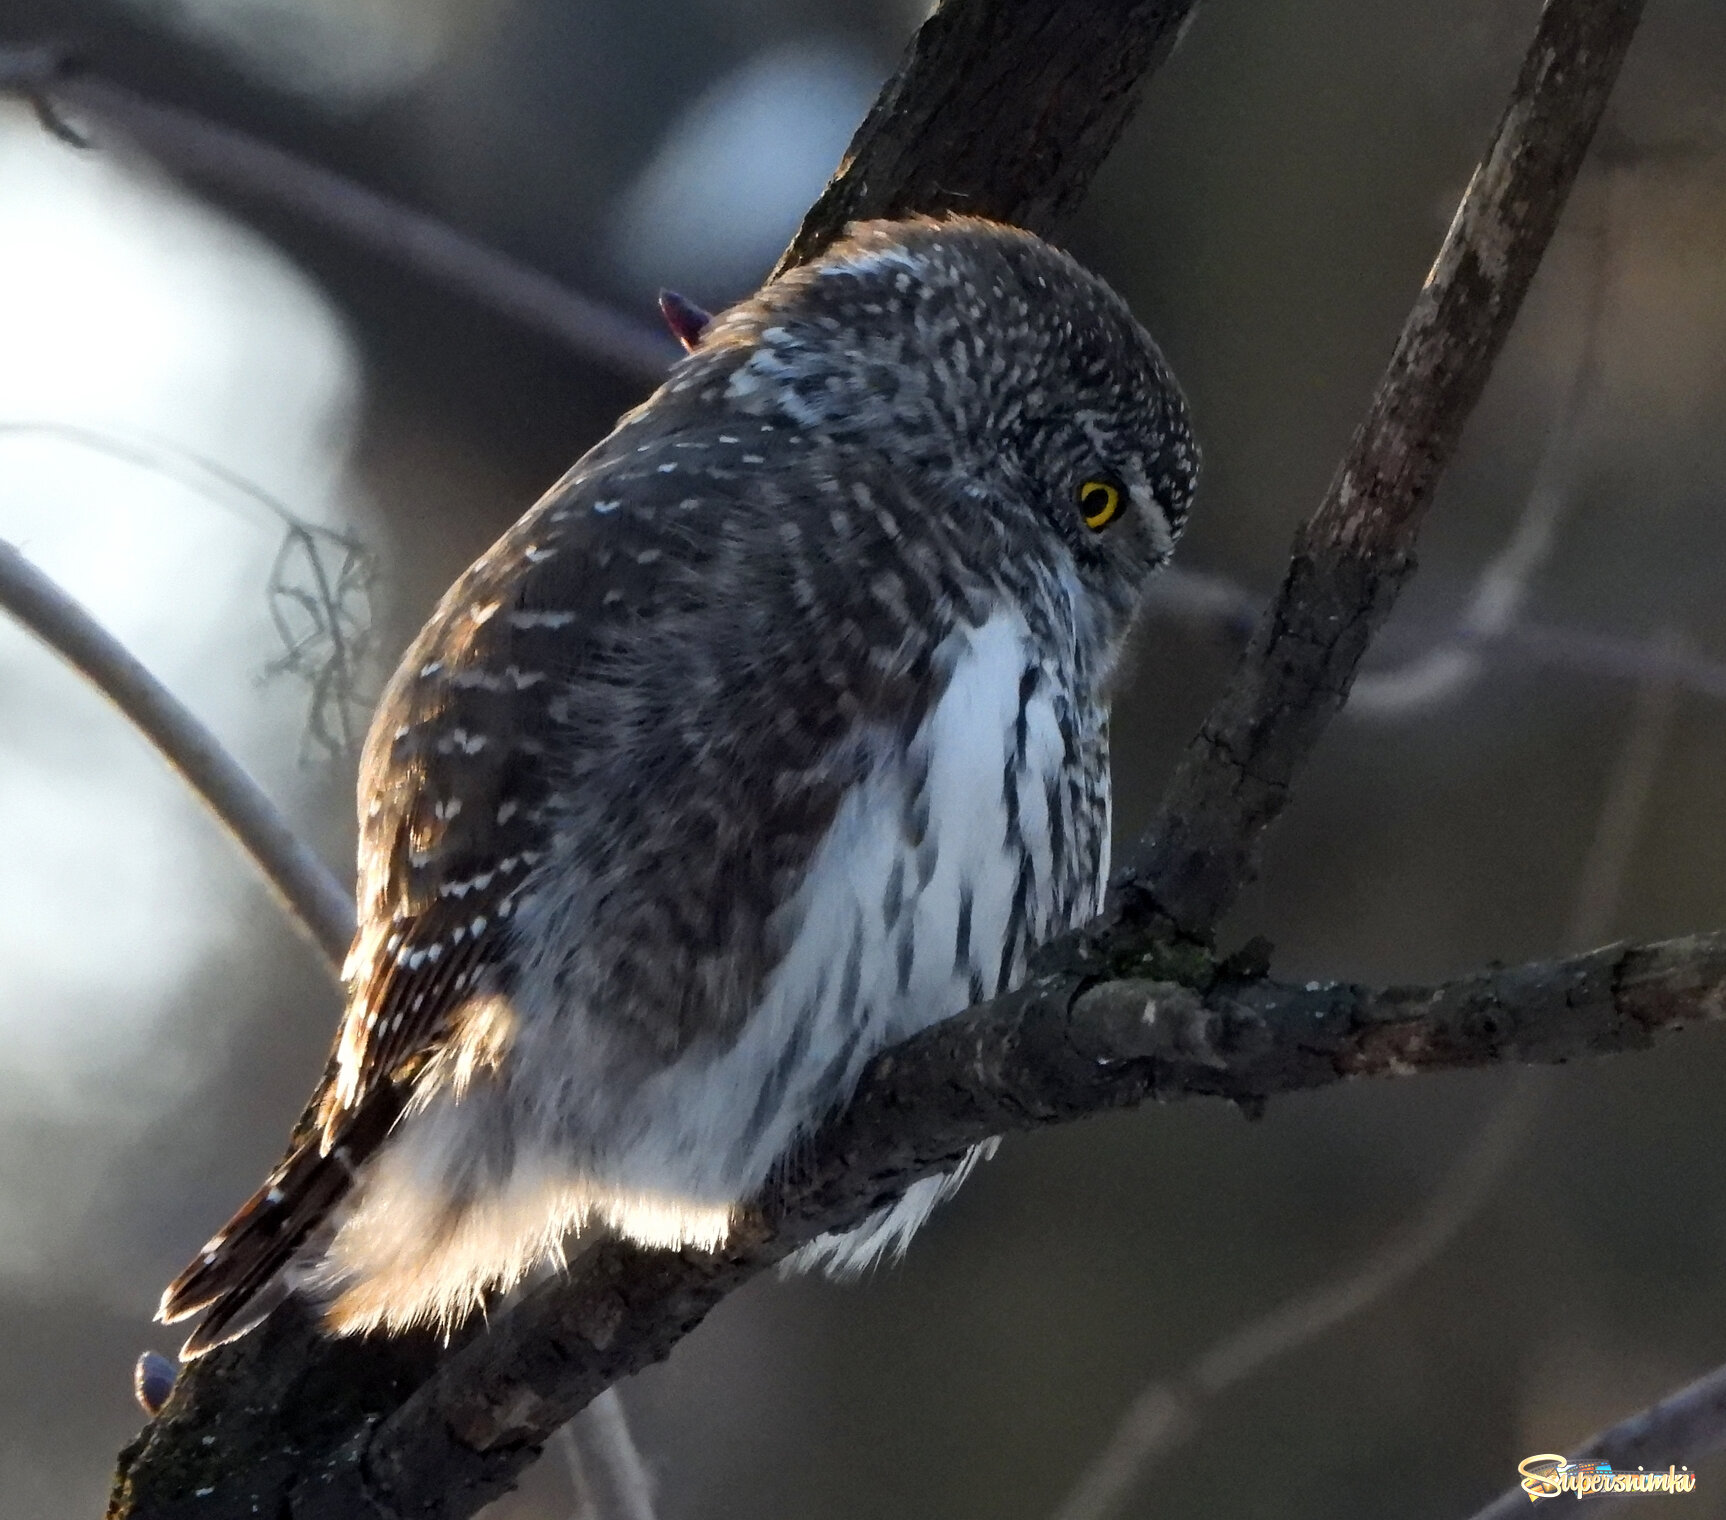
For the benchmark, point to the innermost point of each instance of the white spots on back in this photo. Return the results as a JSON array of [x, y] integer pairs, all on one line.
[[878, 258], [460, 740], [524, 619]]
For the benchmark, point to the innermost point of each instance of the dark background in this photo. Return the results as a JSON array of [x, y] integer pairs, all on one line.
[[1269, 215]]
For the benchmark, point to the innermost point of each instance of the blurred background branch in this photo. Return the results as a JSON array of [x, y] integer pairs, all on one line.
[[610, 1480], [209, 153], [305, 887], [1167, 1413]]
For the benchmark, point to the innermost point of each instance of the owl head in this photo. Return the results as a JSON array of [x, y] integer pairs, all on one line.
[[1012, 381]]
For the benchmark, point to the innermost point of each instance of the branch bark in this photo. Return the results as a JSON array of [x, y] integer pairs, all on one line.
[[1004, 111], [1351, 559], [284, 1423], [364, 1430]]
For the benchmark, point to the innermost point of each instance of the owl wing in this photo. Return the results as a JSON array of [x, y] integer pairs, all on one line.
[[668, 673], [641, 626], [455, 783]]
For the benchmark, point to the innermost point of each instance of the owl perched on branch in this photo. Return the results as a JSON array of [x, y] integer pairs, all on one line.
[[776, 732]]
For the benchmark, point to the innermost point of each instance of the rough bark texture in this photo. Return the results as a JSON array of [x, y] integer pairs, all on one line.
[[999, 110], [285, 1405], [1007, 108], [1351, 558]]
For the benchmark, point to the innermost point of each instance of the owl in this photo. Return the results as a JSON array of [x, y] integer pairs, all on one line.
[[775, 732]]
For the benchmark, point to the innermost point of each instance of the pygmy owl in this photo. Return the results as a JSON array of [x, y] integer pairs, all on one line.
[[774, 733]]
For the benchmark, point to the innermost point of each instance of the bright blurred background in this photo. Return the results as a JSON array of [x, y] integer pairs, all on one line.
[[183, 379]]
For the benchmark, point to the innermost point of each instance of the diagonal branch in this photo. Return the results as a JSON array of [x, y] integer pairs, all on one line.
[[227, 159], [1351, 558], [1004, 111], [302, 883]]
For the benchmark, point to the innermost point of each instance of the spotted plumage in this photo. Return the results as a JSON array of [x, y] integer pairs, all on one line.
[[774, 732]]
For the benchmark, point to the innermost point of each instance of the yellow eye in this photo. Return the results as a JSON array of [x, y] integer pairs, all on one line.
[[1099, 500]]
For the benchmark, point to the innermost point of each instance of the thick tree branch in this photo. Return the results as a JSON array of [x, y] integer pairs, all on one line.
[[286, 1423], [999, 110], [302, 883], [1061, 1048], [1351, 558]]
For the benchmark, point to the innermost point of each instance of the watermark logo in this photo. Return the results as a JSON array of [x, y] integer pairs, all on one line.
[[1549, 1475]]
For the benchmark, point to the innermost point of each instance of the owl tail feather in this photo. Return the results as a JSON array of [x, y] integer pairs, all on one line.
[[240, 1275]]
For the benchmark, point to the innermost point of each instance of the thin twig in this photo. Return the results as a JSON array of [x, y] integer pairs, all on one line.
[[237, 163], [1183, 594], [338, 610], [304, 886], [1166, 1413]]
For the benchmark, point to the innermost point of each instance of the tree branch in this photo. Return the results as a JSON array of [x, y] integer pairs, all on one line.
[[1351, 558], [999, 110], [301, 882], [1061, 1048], [1199, 596]]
